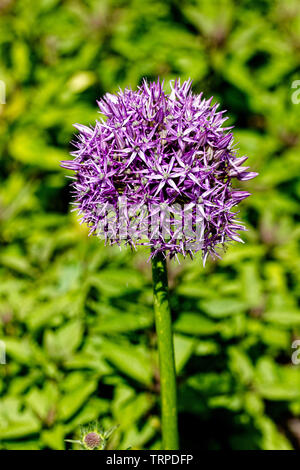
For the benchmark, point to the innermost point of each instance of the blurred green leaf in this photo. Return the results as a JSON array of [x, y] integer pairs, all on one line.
[[194, 324], [132, 361]]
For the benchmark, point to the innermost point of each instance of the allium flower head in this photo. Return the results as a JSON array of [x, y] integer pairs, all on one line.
[[158, 171], [92, 440]]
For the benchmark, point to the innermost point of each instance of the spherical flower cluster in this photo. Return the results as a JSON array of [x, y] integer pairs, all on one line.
[[92, 440], [158, 171]]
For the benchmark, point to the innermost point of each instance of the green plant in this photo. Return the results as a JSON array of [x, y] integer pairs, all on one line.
[[77, 319]]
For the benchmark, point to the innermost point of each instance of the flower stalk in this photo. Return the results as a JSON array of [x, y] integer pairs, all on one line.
[[163, 325]]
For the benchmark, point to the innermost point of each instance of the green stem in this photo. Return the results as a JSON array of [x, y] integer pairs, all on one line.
[[163, 325]]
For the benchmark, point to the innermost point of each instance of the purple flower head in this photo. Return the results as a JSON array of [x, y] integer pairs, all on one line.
[[158, 171], [92, 440]]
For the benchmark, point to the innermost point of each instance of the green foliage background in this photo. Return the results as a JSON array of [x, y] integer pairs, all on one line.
[[76, 317]]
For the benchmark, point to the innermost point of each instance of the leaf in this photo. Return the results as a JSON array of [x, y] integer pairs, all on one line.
[[63, 342], [19, 349], [132, 361], [134, 409], [221, 308], [229, 402], [28, 147], [272, 439], [240, 364], [70, 403], [278, 392], [287, 318], [91, 411], [16, 263], [44, 401], [251, 284], [194, 290], [113, 283], [275, 337], [123, 322], [211, 383], [140, 437], [15, 423], [184, 347], [205, 348], [54, 438], [194, 324]]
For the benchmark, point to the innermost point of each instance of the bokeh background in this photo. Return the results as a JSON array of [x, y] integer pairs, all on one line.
[[76, 317]]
